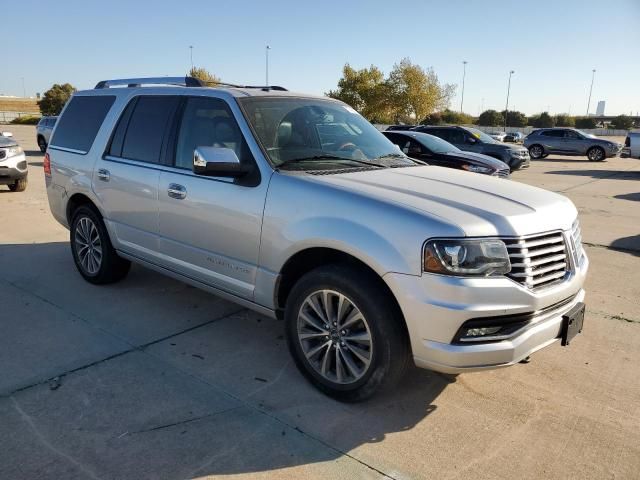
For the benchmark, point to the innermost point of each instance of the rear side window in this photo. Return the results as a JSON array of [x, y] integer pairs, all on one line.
[[141, 128], [81, 121]]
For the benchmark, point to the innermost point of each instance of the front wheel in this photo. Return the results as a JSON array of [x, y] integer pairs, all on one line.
[[94, 256], [596, 154], [536, 152], [345, 333], [19, 185]]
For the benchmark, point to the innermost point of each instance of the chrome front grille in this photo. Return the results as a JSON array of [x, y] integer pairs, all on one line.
[[538, 261]]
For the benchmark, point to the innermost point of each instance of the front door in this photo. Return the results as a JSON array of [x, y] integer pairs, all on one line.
[[210, 226]]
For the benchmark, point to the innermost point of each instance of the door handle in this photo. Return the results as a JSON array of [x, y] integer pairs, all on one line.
[[103, 174], [177, 191]]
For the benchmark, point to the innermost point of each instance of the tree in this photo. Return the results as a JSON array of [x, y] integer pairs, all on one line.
[[54, 99], [491, 118], [204, 75], [515, 118], [622, 122], [585, 122], [366, 91], [564, 120], [544, 120], [449, 117], [415, 92]]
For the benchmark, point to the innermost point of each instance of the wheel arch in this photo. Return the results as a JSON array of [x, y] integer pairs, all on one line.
[[75, 201]]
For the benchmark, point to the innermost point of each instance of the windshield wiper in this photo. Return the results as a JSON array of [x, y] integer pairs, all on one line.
[[404, 157], [327, 157]]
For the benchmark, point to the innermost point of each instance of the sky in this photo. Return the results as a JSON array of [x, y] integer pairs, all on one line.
[[552, 46]]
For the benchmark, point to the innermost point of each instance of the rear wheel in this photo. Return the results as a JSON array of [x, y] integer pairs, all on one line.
[[345, 333], [19, 185], [94, 256], [42, 144], [536, 151], [596, 154]]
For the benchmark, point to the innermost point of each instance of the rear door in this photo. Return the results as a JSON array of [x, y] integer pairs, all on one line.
[[210, 226], [126, 178], [573, 142]]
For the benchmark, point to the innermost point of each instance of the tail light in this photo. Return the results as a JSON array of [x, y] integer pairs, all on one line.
[[47, 165]]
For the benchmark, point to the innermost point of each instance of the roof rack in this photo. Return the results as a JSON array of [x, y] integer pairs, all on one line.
[[178, 81]]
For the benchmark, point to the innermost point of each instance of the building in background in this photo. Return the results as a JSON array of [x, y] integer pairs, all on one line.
[[600, 108]]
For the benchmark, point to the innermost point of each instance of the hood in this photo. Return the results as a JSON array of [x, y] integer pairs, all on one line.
[[479, 159], [499, 146], [7, 142], [479, 205]]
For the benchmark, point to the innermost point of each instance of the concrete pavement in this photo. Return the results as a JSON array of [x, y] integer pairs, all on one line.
[[150, 378]]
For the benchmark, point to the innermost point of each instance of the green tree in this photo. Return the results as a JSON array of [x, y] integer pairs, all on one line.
[[491, 118], [204, 75], [54, 99], [565, 120], [585, 122], [515, 118], [367, 91], [544, 120], [416, 92], [622, 122], [448, 117]]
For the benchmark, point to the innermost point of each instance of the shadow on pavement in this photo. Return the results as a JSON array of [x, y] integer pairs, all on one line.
[[193, 386], [633, 197], [629, 244], [600, 174]]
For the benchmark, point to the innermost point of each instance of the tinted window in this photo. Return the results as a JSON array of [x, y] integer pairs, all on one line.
[[553, 133], [571, 134], [439, 132], [81, 121], [146, 130], [208, 122], [456, 137]]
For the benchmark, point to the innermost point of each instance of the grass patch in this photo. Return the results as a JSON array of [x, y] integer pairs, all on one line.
[[27, 105], [26, 120]]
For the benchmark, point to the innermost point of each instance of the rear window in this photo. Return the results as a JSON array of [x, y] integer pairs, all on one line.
[[81, 121]]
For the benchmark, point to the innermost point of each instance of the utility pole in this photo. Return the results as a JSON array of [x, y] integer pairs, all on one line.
[[506, 110], [464, 73], [191, 55], [266, 51], [593, 74]]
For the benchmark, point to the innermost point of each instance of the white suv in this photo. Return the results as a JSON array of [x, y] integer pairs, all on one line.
[[298, 208]]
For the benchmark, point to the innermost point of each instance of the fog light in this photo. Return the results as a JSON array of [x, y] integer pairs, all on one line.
[[481, 331]]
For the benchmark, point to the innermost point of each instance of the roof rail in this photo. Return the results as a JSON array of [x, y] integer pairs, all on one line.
[[179, 81], [137, 82]]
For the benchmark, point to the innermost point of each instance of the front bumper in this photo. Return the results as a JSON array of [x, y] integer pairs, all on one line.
[[12, 169], [436, 306]]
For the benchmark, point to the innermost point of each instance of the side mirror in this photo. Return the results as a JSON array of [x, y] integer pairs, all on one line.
[[217, 162]]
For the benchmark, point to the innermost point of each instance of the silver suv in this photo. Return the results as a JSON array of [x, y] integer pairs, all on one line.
[[43, 131], [298, 208], [569, 141]]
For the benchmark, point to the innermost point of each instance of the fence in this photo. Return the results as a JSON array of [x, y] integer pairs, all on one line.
[[7, 117]]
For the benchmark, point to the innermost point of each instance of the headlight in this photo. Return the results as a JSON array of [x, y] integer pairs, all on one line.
[[466, 257], [13, 151], [476, 168]]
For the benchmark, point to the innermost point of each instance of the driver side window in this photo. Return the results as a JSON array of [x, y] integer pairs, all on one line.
[[208, 122]]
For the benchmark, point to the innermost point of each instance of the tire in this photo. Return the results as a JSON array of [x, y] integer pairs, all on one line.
[[596, 154], [536, 152], [93, 253], [19, 185], [42, 144], [366, 367]]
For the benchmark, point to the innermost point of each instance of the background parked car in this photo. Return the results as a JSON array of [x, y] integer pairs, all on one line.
[[498, 136], [569, 141], [400, 127], [436, 151], [43, 131], [473, 140], [632, 144], [13, 164], [513, 137]]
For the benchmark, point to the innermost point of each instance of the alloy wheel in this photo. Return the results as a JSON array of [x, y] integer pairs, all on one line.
[[536, 151], [595, 154], [88, 246], [335, 337]]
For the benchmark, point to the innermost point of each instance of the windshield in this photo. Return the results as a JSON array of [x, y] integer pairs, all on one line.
[[483, 137], [435, 144], [316, 133], [585, 134]]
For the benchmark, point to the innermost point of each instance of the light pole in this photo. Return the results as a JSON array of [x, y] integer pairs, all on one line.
[[506, 109], [464, 73], [266, 53], [593, 74]]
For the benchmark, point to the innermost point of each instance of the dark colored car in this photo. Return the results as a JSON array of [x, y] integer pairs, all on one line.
[[569, 141], [435, 151], [400, 127], [473, 140]]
